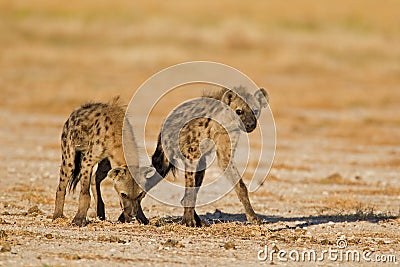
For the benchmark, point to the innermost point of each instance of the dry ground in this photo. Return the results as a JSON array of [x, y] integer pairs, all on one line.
[[333, 73]]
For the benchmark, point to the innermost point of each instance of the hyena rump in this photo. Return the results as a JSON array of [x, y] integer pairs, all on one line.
[[244, 109], [93, 135]]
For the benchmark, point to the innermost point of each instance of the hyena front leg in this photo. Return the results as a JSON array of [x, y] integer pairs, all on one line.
[[241, 191], [66, 169], [189, 199], [84, 197], [198, 177], [232, 174]]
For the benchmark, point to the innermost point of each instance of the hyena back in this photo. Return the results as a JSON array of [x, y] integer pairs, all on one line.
[[93, 135]]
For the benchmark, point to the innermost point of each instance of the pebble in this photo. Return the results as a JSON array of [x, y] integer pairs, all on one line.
[[229, 245], [3, 235], [5, 248], [48, 236], [34, 210], [172, 243]]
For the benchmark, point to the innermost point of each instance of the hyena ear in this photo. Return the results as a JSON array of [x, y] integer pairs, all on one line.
[[228, 97], [262, 97], [147, 171], [117, 172]]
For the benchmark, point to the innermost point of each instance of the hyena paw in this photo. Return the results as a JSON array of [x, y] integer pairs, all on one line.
[[254, 220], [190, 222], [79, 221], [142, 220]]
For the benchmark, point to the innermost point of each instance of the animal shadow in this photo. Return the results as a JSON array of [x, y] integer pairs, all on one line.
[[218, 217]]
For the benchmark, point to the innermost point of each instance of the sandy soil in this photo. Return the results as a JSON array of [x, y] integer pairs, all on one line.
[[333, 73]]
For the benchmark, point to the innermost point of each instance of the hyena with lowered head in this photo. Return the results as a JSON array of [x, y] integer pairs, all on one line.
[[244, 110], [93, 135]]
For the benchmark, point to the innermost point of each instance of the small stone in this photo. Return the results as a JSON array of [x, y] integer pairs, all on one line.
[[114, 239], [75, 257], [103, 238], [172, 243], [5, 248], [325, 242], [3, 235], [335, 178], [229, 245], [34, 211], [48, 236], [274, 247]]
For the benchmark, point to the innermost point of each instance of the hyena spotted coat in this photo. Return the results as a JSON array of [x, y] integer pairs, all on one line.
[[93, 135], [224, 133]]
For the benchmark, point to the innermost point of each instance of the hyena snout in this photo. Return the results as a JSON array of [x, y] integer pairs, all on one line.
[[250, 125], [130, 195]]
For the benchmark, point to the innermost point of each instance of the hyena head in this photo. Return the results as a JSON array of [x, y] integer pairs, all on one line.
[[127, 190], [129, 193], [246, 105]]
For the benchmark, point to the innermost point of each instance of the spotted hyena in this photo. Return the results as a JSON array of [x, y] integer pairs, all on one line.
[[212, 122], [93, 135]]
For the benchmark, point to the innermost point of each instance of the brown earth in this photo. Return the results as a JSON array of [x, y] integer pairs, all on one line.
[[333, 74]]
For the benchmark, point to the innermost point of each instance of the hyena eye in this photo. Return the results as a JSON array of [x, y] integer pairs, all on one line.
[[123, 195], [239, 111], [256, 112]]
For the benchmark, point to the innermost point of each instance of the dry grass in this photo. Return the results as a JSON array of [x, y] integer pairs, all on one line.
[[349, 209]]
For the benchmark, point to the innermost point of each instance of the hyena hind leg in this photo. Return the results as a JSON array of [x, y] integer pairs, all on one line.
[[198, 180], [84, 197], [66, 172], [193, 182]]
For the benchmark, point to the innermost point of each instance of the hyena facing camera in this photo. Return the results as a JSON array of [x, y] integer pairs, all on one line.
[[181, 138]]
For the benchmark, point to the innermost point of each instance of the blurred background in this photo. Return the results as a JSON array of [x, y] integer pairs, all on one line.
[[332, 68], [308, 54]]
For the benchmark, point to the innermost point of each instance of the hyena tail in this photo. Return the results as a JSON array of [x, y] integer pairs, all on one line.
[[160, 161], [73, 181], [162, 165]]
